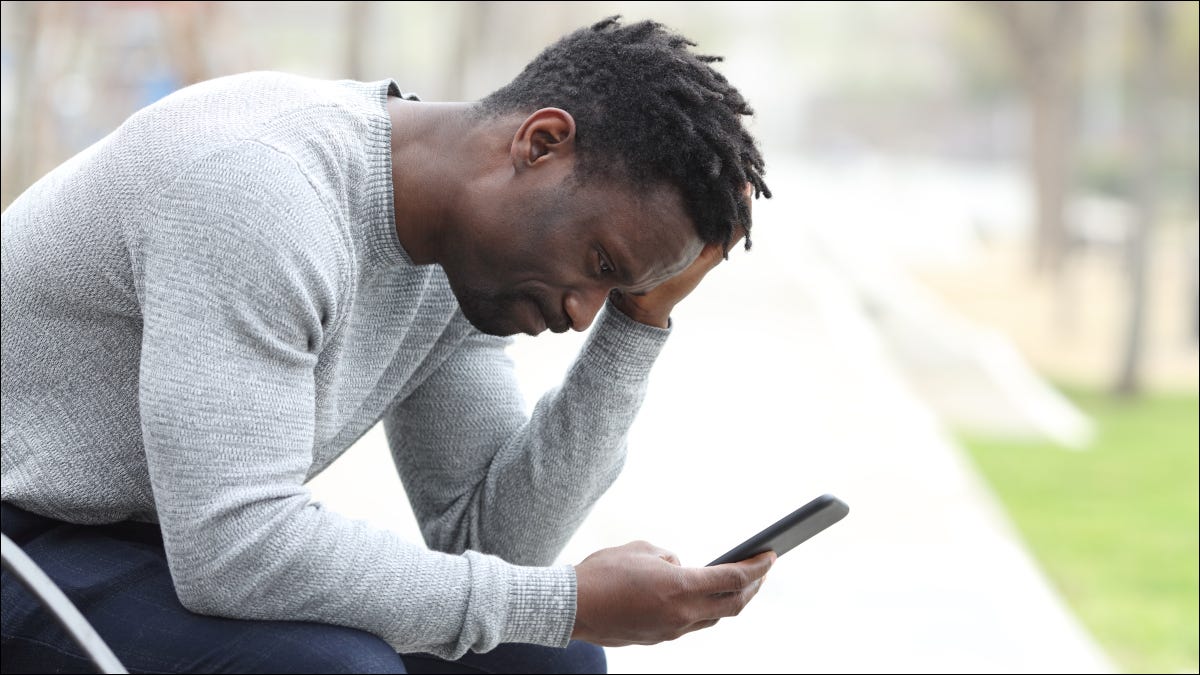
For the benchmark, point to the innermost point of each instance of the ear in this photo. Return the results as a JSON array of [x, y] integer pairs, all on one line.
[[544, 136]]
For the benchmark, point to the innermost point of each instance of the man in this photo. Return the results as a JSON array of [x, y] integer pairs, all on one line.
[[207, 307]]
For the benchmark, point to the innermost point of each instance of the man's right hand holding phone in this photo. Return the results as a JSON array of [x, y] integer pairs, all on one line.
[[638, 594]]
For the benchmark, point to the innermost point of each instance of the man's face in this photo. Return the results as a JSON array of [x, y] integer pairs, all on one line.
[[546, 254]]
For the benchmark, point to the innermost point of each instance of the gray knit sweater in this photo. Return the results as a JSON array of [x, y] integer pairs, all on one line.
[[204, 309]]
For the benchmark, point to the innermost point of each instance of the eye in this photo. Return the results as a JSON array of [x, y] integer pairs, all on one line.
[[605, 266]]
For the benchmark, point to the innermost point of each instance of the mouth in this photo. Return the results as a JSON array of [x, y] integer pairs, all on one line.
[[540, 320], [560, 323], [535, 319]]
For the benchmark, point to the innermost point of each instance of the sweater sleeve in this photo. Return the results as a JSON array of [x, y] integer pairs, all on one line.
[[484, 476], [242, 272]]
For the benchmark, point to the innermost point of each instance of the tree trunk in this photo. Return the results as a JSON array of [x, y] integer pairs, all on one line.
[[1051, 165], [1147, 93], [1046, 46]]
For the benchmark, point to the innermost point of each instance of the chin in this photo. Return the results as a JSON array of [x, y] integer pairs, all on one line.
[[486, 314], [494, 328], [489, 322]]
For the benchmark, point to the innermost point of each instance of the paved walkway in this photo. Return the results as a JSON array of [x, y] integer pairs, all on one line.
[[774, 389]]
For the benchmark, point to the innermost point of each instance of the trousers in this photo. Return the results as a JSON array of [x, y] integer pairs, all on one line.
[[117, 576]]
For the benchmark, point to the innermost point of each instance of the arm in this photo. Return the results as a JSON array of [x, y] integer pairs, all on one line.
[[483, 476], [240, 275]]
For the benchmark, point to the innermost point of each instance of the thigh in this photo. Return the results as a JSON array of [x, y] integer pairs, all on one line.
[[576, 657], [118, 578]]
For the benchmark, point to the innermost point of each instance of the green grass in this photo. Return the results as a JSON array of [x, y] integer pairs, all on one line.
[[1117, 527]]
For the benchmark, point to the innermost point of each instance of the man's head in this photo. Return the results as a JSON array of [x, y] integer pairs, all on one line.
[[628, 156]]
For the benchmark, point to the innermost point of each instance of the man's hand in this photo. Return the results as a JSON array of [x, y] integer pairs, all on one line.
[[639, 594], [655, 306]]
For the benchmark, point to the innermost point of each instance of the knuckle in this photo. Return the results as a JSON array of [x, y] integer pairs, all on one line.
[[746, 576], [684, 583], [743, 600], [734, 604], [736, 578]]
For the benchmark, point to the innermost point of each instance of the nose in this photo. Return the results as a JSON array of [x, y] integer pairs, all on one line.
[[582, 306]]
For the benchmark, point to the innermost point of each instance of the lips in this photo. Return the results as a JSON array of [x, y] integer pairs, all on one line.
[[539, 319], [535, 321], [559, 324]]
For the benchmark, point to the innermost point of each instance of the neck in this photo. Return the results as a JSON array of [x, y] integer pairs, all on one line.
[[429, 172]]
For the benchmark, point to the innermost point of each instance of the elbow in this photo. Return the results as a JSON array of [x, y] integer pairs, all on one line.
[[198, 602], [205, 595], [445, 537], [451, 527]]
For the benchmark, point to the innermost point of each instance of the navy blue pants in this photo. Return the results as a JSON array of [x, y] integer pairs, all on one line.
[[118, 578]]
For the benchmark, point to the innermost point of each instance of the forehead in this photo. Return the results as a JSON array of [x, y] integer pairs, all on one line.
[[646, 229]]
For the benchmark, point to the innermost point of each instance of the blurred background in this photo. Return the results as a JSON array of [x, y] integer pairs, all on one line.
[[970, 312]]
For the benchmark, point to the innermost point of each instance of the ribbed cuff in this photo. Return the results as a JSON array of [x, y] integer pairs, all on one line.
[[541, 605], [621, 346]]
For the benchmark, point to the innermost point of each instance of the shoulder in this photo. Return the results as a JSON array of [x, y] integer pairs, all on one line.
[[250, 206], [290, 112], [240, 233], [273, 88]]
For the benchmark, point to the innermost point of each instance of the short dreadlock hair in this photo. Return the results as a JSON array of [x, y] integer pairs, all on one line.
[[648, 110]]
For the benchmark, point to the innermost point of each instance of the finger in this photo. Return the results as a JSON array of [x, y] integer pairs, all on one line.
[[732, 604], [733, 577], [739, 229], [712, 255], [670, 557], [699, 625], [739, 233]]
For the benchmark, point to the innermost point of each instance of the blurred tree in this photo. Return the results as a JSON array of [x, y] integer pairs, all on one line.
[[18, 155], [1184, 83], [46, 50], [1045, 40], [1145, 120]]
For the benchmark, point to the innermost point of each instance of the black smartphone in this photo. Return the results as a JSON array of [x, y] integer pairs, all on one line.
[[792, 530]]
